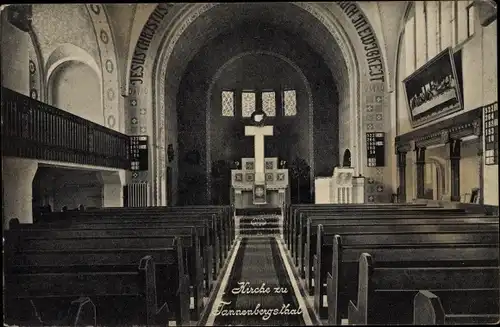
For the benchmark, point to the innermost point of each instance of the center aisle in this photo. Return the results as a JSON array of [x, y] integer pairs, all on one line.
[[257, 290]]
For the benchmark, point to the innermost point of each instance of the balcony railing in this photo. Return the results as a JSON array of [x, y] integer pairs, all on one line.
[[32, 129]]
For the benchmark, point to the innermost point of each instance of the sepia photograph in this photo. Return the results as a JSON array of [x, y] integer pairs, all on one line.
[[250, 163]]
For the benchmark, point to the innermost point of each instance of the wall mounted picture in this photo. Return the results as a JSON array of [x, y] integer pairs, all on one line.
[[433, 91]]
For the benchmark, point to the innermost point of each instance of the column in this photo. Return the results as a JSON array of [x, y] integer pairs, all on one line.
[[420, 152], [17, 189], [454, 155], [478, 131], [480, 159], [112, 188], [421, 33], [402, 176]]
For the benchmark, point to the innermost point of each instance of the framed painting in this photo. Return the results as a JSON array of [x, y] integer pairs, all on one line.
[[433, 91]]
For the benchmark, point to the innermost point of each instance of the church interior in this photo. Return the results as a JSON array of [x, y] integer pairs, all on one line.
[[250, 163]]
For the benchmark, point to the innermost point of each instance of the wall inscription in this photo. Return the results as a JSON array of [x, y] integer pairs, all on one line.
[[144, 41], [367, 37]]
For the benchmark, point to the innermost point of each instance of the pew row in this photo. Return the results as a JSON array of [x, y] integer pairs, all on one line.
[[205, 228], [295, 210], [40, 291], [336, 265], [299, 230], [386, 293], [392, 224], [38, 243]]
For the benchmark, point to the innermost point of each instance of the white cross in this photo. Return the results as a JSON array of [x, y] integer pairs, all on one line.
[[258, 132]]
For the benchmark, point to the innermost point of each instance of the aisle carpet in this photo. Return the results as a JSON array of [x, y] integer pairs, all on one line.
[[259, 265]]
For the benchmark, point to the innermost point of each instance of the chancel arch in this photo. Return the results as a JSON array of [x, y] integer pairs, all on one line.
[[277, 82], [336, 31]]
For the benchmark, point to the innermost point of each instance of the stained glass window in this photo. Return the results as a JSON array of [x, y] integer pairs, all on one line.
[[228, 103], [269, 103], [247, 103], [290, 103]]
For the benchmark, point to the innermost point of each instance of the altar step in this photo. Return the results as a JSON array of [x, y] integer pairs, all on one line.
[[258, 211], [258, 225]]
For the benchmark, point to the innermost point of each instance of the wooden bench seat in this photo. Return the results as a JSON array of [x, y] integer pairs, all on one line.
[[299, 226], [223, 217], [385, 293], [307, 248], [330, 261], [197, 267], [291, 209], [38, 290], [220, 226], [215, 225], [290, 223], [428, 309], [342, 282], [204, 228], [307, 238]]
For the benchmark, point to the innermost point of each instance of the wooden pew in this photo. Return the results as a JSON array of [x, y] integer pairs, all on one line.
[[35, 240], [386, 292], [219, 238], [296, 209], [342, 281], [223, 213], [38, 253], [428, 309], [138, 285], [300, 219], [392, 224], [300, 224], [307, 234], [150, 222], [336, 259]]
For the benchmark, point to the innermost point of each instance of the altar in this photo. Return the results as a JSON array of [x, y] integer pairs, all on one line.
[[271, 191]]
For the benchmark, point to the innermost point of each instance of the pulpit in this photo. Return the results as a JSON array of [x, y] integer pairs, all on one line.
[[271, 193], [342, 187]]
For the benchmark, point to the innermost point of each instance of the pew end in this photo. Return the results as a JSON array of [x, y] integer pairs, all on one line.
[[82, 312], [429, 310]]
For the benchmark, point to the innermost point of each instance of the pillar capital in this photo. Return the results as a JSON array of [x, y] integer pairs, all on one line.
[[420, 152], [401, 159], [454, 147]]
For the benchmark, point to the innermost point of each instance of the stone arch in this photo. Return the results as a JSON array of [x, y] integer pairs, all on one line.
[[65, 86], [68, 52], [168, 22], [442, 176], [397, 86], [108, 66], [309, 100], [36, 71]]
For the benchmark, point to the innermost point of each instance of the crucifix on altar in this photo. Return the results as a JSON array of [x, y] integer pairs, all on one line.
[[258, 133], [260, 181]]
